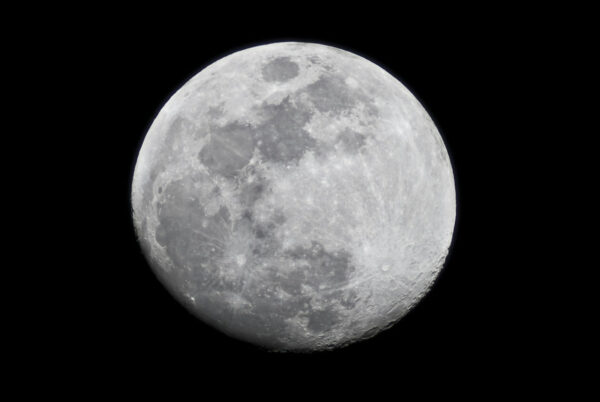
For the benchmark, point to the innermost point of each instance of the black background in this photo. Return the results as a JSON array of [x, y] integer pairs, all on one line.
[[476, 76]]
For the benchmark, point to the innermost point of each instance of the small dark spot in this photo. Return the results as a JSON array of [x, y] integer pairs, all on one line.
[[215, 111], [224, 214], [247, 215], [278, 217], [159, 190], [260, 233]]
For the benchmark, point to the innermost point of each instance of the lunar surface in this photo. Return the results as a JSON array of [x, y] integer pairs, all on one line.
[[295, 196]]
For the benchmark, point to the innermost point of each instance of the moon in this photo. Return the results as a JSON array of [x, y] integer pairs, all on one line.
[[295, 196]]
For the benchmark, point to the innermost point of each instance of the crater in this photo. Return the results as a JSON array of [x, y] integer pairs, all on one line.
[[280, 69]]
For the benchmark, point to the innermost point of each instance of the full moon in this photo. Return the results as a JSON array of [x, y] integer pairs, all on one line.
[[295, 196]]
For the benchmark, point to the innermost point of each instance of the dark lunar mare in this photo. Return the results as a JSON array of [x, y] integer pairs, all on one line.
[[281, 69], [330, 94], [193, 239], [280, 138]]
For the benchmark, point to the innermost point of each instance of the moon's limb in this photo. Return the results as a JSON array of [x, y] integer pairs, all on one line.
[[296, 196]]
